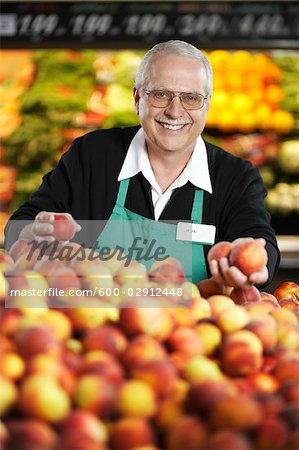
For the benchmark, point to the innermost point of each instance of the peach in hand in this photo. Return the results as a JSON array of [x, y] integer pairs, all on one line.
[[64, 227], [249, 257]]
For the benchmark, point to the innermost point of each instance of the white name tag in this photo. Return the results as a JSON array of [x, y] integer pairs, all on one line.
[[196, 232]]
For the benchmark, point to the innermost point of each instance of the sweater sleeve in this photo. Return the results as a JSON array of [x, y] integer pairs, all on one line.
[[245, 215]]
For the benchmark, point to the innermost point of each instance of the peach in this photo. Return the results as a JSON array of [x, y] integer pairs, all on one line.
[[58, 322], [170, 269], [131, 432], [6, 261], [44, 363], [184, 317], [26, 289], [142, 348], [136, 398], [249, 257], [155, 322], [168, 411], [41, 397], [36, 339], [210, 336], [228, 439], [30, 434], [64, 285], [264, 307], [179, 360], [271, 433], [232, 319], [87, 314], [203, 395], [96, 394], [210, 287], [103, 364], [220, 250], [287, 370], [187, 432], [83, 423], [200, 309], [8, 395], [78, 441], [287, 290], [271, 403], [9, 321], [185, 340], [219, 303], [290, 391], [64, 228], [107, 338], [242, 296], [201, 368], [239, 412], [263, 382], [161, 375], [288, 336], [289, 304], [241, 353], [12, 365], [265, 330], [267, 296], [94, 275], [284, 316], [135, 271]]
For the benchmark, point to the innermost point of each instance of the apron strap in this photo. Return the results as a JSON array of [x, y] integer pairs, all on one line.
[[196, 214], [122, 192]]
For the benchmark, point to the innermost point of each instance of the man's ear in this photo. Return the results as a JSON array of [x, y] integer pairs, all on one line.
[[136, 99]]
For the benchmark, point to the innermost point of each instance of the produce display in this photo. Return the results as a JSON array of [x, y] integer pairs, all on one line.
[[58, 95], [127, 372]]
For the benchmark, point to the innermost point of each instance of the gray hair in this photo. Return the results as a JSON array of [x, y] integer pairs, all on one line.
[[173, 47]]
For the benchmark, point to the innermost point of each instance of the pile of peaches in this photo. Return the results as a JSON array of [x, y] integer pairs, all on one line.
[[220, 372]]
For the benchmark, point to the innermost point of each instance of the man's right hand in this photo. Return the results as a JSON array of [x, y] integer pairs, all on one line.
[[42, 228]]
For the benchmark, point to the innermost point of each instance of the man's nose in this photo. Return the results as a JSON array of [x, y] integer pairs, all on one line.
[[175, 107]]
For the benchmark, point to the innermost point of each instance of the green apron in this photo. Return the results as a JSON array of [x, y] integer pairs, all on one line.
[[115, 234]]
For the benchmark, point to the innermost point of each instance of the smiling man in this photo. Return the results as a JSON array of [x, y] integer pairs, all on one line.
[[162, 172]]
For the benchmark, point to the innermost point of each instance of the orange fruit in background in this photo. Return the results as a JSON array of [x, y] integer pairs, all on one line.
[[234, 80], [241, 102], [282, 121], [227, 121], [274, 94], [246, 122], [220, 100], [263, 115]]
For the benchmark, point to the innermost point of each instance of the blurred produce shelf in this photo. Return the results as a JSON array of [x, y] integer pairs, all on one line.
[[289, 249]]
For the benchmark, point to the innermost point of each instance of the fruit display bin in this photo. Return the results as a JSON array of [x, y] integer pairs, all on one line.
[[99, 355]]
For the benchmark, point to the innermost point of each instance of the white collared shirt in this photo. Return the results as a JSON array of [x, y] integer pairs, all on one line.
[[196, 170]]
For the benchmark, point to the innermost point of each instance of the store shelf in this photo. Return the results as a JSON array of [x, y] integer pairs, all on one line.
[[289, 250]]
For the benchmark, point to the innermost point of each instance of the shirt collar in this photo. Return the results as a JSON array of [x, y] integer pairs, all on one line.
[[196, 171]]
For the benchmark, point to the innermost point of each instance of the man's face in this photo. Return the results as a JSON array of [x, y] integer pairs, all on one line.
[[173, 128]]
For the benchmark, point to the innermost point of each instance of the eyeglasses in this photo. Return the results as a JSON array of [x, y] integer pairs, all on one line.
[[163, 98]]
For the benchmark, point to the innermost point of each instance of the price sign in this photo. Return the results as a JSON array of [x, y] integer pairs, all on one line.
[[140, 25]]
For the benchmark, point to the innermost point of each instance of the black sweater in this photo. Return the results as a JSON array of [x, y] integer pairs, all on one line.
[[84, 184]]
